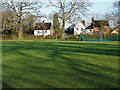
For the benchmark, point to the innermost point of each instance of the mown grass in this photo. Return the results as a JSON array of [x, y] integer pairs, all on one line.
[[59, 64]]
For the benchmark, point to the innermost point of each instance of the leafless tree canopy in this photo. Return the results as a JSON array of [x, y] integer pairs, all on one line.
[[113, 14], [68, 10], [21, 9]]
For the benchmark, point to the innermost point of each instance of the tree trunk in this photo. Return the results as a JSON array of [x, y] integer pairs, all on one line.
[[63, 29], [101, 36], [56, 37], [20, 32], [63, 20]]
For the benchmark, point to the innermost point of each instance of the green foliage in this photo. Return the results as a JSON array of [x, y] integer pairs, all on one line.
[[50, 37], [53, 37], [56, 24], [28, 25], [72, 37]]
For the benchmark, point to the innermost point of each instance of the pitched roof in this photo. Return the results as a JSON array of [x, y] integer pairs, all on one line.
[[90, 26], [117, 27], [83, 22], [42, 26], [98, 22]]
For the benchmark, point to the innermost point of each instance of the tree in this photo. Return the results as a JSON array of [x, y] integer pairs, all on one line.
[[56, 24], [69, 10], [8, 23], [29, 24], [102, 24], [112, 14], [21, 9]]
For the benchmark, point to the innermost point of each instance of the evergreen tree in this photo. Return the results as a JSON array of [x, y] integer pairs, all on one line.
[[56, 24]]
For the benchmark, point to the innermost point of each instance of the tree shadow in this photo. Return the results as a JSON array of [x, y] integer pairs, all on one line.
[[60, 66]]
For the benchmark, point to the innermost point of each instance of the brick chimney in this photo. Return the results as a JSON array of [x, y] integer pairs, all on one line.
[[83, 22], [92, 20], [43, 21]]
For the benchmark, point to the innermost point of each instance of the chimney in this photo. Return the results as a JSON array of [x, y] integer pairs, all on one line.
[[43, 21], [84, 22], [92, 20]]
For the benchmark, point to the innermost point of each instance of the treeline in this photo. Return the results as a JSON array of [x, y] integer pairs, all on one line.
[[11, 26], [18, 18]]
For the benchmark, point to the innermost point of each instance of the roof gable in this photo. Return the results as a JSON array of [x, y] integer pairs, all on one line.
[[82, 22]]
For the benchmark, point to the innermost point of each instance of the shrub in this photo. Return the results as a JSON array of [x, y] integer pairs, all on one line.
[[72, 36]]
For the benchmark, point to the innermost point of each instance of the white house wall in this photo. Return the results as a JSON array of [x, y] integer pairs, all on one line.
[[78, 28], [41, 32], [89, 31]]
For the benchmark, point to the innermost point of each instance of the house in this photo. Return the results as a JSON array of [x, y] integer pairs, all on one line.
[[89, 30], [43, 29], [116, 30], [95, 26], [77, 28]]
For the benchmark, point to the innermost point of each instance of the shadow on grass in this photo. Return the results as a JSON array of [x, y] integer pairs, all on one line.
[[57, 70]]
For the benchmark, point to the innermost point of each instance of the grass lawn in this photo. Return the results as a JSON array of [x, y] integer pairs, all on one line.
[[59, 64]]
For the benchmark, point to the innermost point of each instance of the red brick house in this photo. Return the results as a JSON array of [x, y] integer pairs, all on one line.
[[97, 24]]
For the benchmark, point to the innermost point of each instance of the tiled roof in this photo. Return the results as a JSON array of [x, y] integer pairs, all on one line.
[[90, 26], [97, 23], [42, 26]]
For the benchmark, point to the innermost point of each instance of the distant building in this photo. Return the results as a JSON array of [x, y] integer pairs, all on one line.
[[89, 30], [116, 30], [94, 27], [43, 29], [77, 28]]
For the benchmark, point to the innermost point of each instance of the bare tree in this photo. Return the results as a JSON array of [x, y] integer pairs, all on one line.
[[112, 14], [29, 24], [7, 20], [69, 10], [21, 9]]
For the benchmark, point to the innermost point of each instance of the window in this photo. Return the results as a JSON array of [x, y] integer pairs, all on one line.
[[39, 32], [45, 31], [96, 29]]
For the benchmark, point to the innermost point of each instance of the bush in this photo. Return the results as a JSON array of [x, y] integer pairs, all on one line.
[[71, 37], [50, 37], [9, 37]]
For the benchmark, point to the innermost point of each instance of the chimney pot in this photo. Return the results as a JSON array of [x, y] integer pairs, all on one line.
[[43, 21]]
